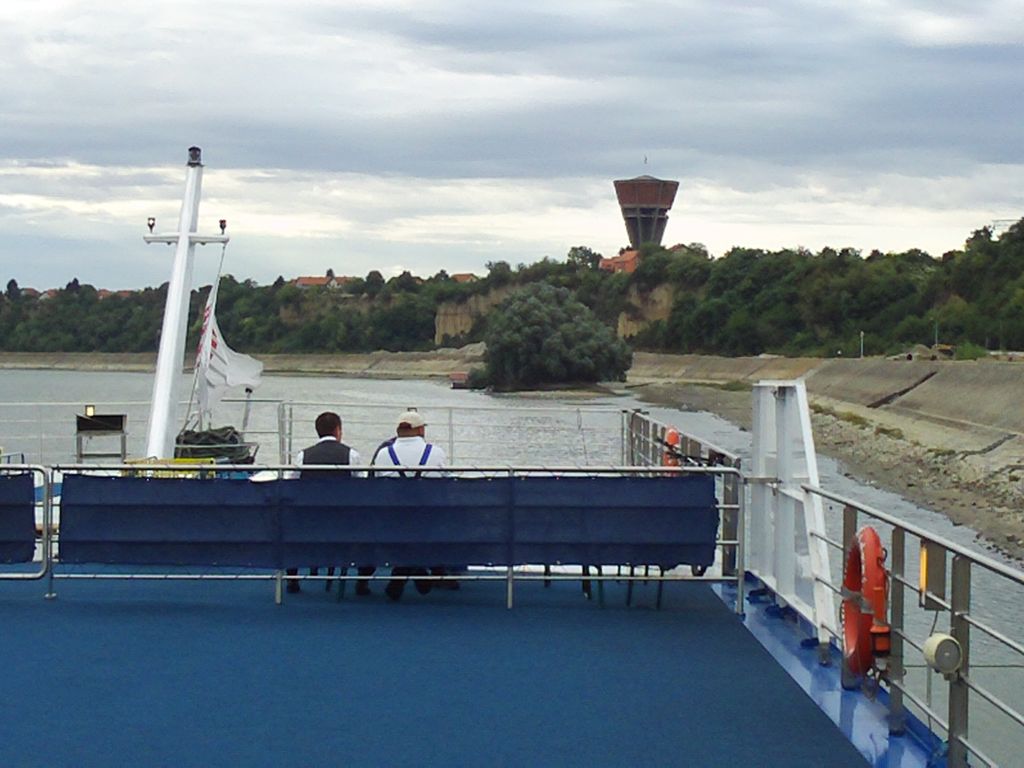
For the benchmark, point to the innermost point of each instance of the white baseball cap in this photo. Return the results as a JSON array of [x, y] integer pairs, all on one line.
[[411, 419]]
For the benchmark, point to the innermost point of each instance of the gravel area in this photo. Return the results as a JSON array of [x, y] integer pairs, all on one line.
[[923, 463]]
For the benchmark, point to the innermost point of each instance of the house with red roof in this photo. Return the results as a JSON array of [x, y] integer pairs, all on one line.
[[627, 261]]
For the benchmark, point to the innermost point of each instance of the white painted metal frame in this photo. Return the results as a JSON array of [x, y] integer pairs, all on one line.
[[787, 550], [160, 434]]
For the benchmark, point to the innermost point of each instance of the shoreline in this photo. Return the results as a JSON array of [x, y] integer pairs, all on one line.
[[935, 476]]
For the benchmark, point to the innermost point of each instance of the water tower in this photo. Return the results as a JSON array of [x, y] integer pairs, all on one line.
[[645, 202]]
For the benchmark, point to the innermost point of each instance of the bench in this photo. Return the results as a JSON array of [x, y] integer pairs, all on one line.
[[458, 521]]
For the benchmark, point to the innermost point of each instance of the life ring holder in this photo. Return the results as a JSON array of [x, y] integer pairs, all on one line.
[[672, 455], [866, 631]]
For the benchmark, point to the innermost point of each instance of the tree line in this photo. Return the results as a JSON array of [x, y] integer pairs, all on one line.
[[747, 302]]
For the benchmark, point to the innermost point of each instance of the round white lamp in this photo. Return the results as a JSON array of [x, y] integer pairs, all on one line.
[[943, 653]]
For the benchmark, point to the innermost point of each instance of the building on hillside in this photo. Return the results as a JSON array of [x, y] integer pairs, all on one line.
[[627, 261], [645, 202], [311, 282], [327, 281], [464, 277]]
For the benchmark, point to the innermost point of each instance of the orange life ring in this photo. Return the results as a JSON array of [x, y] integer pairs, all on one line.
[[671, 457], [866, 633]]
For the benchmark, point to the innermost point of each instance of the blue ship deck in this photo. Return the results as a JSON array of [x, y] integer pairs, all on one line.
[[213, 673]]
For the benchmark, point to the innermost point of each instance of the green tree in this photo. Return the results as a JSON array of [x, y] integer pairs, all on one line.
[[374, 283], [499, 273], [541, 335], [582, 257]]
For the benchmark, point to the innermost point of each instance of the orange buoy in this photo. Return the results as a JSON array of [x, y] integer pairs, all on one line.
[[866, 633], [672, 455]]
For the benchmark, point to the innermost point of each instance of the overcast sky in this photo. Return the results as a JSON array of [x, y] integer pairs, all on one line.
[[442, 135]]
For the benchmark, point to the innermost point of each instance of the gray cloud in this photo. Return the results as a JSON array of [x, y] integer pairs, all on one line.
[[736, 99]]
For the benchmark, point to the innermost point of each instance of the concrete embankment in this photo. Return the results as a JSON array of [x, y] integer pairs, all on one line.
[[707, 369], [979, 398], [389, 365], [79, 361], [396, 365], [948, 435]]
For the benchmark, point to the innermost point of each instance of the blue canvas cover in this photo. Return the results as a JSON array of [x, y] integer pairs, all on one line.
[[666, 521], [168, 521], [17, 518], [396, 520], [410, 521]]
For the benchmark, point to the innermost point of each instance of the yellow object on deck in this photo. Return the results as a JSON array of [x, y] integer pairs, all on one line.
[[167, 467]]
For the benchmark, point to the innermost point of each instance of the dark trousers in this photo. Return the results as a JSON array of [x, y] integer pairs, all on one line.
[[293, 584]]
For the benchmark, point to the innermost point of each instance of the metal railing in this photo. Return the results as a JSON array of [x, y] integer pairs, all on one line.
[[644, 444], [469, 435], [43, 509], [509, 574], [44, 433], [940, 591]]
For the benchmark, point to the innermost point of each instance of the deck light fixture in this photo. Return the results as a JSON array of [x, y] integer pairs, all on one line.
[[223, 225], [90, 411], [151, 222]]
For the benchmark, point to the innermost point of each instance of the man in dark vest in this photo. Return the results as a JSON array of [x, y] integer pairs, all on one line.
[[328, 450]]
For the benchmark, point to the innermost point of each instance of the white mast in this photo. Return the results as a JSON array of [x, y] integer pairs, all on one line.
[[160, 435]]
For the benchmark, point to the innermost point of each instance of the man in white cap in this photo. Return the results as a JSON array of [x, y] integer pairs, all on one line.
[[410, 449]]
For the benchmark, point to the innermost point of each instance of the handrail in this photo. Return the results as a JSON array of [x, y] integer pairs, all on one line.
[[47, 522], [527, 409], [983, 560], [504, 469], [995, 633], [199, 472], [43, 433], [957, 604]]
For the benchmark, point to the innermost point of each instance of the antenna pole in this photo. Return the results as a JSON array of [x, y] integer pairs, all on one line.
[[159, 435]]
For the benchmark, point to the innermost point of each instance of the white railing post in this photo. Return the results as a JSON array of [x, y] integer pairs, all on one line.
[[787, 524]]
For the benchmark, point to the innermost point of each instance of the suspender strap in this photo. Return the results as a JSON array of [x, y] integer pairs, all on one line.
[[423, 459], [394, 459]]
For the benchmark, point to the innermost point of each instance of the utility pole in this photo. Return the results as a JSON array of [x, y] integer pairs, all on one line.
[[862, 345]]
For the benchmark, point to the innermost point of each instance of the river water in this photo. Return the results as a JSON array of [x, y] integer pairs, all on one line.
[[37, 417]]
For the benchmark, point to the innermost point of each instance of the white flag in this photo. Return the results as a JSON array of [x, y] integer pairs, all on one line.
[[218, 367]]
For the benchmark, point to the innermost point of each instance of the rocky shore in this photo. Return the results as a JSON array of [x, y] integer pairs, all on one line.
[[925, 463]]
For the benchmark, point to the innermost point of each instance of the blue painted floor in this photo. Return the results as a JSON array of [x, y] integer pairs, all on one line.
[[214, 674]]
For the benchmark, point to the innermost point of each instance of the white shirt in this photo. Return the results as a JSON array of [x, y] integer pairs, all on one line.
[[409, 451]]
